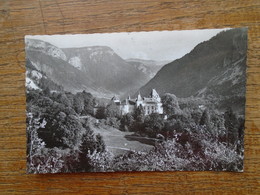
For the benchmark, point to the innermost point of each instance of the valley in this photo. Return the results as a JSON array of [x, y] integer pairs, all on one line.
[[116, 141], [194, 122], [97, 69]]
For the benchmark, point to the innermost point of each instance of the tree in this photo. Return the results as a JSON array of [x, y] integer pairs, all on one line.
[[170, 104], [138, 114], [87, 145], [112, 122], [217, 121], [112, 110], [101, 146], [62, 98], [89, 103], [89, 106], [61, 130], [90, 144], [78, 103], [58, 140], [39, 158], [126, 122], [196, 115], [205, 119], [231, 125], [101, 112], [154, 123]]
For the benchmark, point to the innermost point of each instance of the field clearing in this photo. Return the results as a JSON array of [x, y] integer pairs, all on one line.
[[116, 142]]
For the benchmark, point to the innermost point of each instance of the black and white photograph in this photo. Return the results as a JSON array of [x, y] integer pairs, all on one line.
[[136, 101]]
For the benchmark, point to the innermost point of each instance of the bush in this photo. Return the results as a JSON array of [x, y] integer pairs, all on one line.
[[113, 122], [126, 122], [185, 152]]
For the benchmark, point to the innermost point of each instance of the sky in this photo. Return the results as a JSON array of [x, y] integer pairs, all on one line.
[[151, 45]]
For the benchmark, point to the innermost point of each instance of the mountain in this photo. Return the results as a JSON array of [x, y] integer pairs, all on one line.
[[214, 69], [98, 69], [51, 61], [149, 62], [37, 80], [106, 69], [44, 48], [148, 67]]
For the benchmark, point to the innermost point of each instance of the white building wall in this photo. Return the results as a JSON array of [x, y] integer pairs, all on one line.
[[124, 109], [149, 108], [159, 108]]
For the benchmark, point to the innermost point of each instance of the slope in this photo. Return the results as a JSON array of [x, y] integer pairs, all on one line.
[[213, 69], [106, 68]]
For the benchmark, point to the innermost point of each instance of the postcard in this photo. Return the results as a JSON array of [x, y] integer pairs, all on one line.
[[138, 101]]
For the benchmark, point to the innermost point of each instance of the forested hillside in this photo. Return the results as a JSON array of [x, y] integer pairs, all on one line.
[[213, 70]]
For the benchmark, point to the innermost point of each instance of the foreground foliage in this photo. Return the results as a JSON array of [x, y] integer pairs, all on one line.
[[57, 139], [191, 138]]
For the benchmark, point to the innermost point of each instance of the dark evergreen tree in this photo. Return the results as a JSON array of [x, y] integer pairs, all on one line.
[[101, 146], [78, 103], [101, 112], [138, 114], [205, 119], [87, 146], [231, 125], [196, 116], [126, 122], [89, 103]]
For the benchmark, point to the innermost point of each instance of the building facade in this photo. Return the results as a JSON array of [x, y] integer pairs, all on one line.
[[150, 104]]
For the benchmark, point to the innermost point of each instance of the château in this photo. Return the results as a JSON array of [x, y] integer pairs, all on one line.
[[150, 104]]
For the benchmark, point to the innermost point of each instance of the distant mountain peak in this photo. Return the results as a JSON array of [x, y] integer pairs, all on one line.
[[149, 62], [101, 47]]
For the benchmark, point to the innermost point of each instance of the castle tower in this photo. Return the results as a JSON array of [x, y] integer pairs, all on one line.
[[155, 95], [139, 100]]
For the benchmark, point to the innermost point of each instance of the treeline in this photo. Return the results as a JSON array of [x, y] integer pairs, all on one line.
[[193, 137], [58, 140], [191, 115]]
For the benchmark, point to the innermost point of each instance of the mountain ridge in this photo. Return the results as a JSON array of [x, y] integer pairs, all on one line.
[[148, 67], [96, 69], [217, 57]]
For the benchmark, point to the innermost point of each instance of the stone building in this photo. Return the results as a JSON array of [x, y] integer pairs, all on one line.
[[150, 104]]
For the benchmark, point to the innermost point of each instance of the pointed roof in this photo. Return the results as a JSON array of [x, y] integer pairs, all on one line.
[[115, 98], [154, 94], [139, 98]]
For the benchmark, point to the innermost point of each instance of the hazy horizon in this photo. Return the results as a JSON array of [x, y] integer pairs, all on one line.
[[150, 45]]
